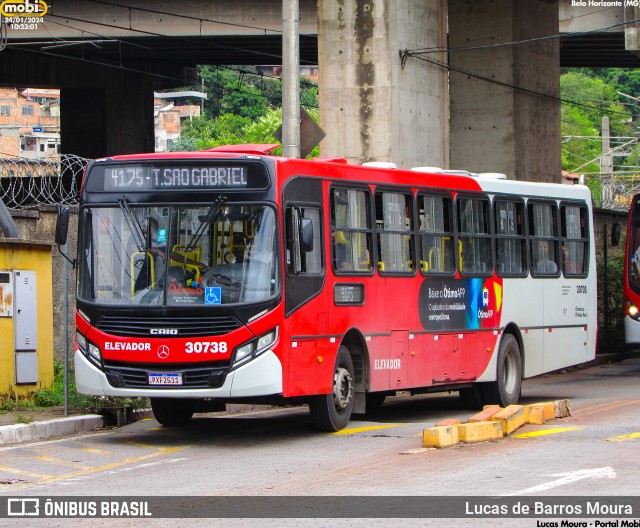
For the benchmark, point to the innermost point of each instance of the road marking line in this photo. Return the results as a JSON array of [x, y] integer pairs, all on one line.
[[605, 406], [88, 471], [56, 441], [354, 430], [544, 432], [96, 451], [624, 437], [143, 445], [567, 478], [58, 462], [23, 472]]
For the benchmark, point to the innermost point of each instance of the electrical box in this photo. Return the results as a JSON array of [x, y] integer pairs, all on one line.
[[18, 300], [6, 293]]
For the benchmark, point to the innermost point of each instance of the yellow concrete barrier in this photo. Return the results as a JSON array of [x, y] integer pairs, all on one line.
[[479, 431], [510, 418], [534, 414], [486, 414], [440, 436]]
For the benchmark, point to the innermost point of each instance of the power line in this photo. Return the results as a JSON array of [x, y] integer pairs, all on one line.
[[440, 49], [198, 19], [405, 56]]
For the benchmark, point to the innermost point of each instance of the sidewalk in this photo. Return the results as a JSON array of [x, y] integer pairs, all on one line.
[[29, 425]]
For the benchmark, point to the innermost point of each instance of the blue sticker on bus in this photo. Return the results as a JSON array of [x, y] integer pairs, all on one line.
[[162, 235], [213, 295]]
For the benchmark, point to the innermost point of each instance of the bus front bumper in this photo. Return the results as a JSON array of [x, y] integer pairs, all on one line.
[[631, 330], [260, 377]]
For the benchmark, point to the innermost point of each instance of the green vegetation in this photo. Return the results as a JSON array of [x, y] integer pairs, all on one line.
[[612, 304], [242, 107], [54, 396], [589, 95]]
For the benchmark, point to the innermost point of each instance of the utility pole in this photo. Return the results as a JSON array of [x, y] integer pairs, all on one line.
[[290, 79], [606, 162]]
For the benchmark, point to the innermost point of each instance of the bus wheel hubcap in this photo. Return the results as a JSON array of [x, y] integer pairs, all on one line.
[[342, 388]]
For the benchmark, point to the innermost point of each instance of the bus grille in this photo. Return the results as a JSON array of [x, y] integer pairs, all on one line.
[[187, 326], [202, 376]]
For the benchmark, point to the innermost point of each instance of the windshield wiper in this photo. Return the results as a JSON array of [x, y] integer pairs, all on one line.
[[212, 214], [134, 225]]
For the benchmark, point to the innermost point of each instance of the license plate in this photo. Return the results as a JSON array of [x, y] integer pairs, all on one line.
[[165, 378]]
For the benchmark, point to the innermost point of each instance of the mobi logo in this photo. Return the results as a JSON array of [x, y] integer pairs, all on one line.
[[24, 8]]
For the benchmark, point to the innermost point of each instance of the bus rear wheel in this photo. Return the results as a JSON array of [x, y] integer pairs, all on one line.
[[173, 411], [332, 412], [506, 389]]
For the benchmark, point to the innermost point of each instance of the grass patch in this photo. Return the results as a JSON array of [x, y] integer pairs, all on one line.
[[23, 419], [54, 396]]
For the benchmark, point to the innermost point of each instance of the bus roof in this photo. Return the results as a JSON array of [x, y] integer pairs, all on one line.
[[454, 179]]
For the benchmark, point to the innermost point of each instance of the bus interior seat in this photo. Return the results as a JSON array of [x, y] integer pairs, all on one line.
[[193, 253]]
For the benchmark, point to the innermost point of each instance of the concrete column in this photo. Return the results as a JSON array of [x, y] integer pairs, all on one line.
[[370, 107], [496, 128], [113, 117]]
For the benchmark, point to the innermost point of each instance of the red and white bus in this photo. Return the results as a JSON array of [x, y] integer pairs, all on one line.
[[233, 275], [632, 274]]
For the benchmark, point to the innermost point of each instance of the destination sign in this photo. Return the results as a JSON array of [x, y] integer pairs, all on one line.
[[171, 177], [122, 178]]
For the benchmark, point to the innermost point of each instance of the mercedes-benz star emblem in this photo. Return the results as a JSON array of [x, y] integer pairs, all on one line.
[[163, 352]]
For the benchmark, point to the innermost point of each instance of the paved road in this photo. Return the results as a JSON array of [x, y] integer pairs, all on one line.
[[594, 452]]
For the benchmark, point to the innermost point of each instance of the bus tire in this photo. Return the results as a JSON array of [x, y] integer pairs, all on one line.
[[331, 412], [471, 397], [506, 389], [173, 411]]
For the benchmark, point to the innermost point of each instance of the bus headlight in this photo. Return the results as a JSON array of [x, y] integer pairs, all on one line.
[[91, 351], [254, 348], [633, 311]]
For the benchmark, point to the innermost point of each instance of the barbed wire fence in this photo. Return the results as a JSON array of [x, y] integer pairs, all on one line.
[[618, 190], [26, 183]]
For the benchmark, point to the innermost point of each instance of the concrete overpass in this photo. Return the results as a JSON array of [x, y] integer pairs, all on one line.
[[488, 102]]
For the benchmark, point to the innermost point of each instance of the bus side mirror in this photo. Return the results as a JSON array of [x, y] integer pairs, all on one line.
[[306, 234], [62, 230], [62, 226], [615, 234]]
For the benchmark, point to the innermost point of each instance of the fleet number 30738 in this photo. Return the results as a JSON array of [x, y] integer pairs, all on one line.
[[205, 347]]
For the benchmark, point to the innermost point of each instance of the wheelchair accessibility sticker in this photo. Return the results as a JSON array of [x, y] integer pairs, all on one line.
[[213, 295]]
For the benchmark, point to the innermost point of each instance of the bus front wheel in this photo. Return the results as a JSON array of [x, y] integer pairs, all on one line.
[[173, 411], [331, 412], [506, 389]]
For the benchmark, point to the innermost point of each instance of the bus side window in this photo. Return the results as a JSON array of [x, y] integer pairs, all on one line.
[[510, 237], [544, 242], [435, 215], [394, 225], [575, 239], [474, 228], [351, 241]]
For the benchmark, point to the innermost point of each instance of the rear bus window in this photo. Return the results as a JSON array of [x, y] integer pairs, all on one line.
[[575, 240]]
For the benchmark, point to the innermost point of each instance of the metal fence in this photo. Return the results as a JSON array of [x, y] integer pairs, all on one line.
[[26, 183], [617, 191]]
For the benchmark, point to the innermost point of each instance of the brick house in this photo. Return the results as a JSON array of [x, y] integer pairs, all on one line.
[[29, 123]]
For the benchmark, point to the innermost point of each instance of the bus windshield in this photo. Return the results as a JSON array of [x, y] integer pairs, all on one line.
[[178, 255]]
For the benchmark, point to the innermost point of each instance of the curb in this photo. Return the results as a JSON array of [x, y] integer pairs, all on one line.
[[18, 433], [11, 434]]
